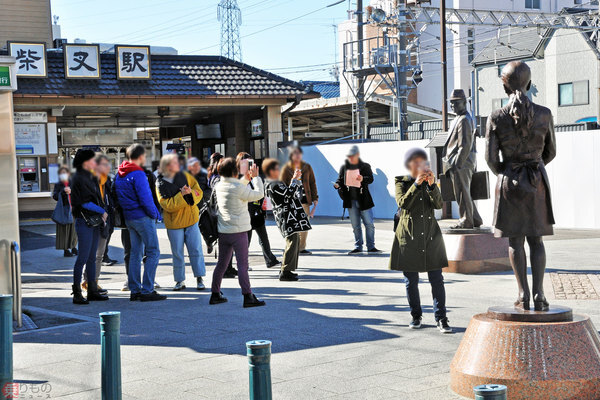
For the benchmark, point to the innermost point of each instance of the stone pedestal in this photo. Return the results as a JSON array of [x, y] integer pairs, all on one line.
[[473, 251], [537, 355]]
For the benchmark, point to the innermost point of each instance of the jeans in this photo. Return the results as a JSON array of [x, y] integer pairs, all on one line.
[[86, 254], [142, 233], [192, 239], [436, 279], [367, 218], [291, 253], [229, 243], [265, 245]]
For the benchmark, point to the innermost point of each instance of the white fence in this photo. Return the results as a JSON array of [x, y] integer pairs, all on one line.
[[574, 177]]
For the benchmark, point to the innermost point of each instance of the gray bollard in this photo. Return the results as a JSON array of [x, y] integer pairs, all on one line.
[[490, 392], [6, 340], [110, 339], [259, 363]]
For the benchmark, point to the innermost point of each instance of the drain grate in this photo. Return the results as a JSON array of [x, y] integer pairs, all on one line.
[[575, 286]]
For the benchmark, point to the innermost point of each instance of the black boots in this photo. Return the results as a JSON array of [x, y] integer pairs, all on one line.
[[217, 298], [94, 294], [77, 296], [250, 300], [288, 276]]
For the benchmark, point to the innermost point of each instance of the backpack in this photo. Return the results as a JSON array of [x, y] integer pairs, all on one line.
[[209, 218]]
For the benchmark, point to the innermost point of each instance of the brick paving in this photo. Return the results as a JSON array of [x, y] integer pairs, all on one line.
[[574, 286]]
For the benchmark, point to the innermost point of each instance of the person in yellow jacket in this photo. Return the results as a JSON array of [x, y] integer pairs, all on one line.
[[178, 193]]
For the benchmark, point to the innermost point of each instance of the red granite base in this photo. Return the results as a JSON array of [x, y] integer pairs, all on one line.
[[475, 253], [535, 360]]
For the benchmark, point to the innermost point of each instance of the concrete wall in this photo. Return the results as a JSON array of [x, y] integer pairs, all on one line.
[[574, 207], [28, 20]]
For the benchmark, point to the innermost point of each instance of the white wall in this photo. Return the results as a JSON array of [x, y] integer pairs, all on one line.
[[575, 196]]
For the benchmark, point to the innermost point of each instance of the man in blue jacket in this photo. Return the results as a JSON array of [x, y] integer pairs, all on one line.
[[135, 198]]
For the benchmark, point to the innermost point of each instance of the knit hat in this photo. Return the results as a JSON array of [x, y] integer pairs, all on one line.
[[412, 153], [82, 156]]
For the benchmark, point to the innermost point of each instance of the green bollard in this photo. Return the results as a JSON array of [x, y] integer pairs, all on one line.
[[6, 341], [259, 363], [110, 339], [490, 392]]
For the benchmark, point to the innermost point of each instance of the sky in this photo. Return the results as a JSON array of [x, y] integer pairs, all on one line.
[[301, 49]]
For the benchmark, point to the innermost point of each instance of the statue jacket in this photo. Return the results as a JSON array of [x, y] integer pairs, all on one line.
[[460, 150], [418, 244], [523, 205]]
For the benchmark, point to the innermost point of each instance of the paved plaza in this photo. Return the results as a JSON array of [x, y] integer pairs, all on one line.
[[339, 333]]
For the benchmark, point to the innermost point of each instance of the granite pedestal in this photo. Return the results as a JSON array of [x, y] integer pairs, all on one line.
[[536, 354], [473, 251]]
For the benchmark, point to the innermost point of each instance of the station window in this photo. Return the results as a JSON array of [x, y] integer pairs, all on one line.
[[573, 93], [534, 4]]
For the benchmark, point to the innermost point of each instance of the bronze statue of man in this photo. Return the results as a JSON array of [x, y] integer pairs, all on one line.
[[523, 133], [460, 160]]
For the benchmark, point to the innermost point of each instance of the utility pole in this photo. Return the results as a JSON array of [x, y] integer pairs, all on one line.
[[444, 66], [231, 18], [403, 62], [360, 92]]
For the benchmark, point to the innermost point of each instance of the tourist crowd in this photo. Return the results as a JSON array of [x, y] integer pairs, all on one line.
[[223, 205]]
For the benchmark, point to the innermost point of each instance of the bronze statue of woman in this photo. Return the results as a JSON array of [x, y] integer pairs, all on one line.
[[520, 141]]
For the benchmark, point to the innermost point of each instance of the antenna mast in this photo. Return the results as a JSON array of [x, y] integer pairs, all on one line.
[[230, 16]]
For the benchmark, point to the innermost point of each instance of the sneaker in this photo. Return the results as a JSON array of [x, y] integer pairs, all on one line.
[[415, 323], [125, 287], [156, 285], [67, 253], [200, 283], [135, 297], [74, 251], [217, 298], [108, 262], [443, 326], [355, 251], [374, 250], [209, 248], [305, 252], [152, 297], [250, 300], [179, 286], [231, 273], [273, 263], [287, 276], [101, 290]]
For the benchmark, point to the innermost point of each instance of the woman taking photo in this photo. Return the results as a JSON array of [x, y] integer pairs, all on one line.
[[233, 195], [418, 244], [257, 216], [90, 218], [179, 194], [66, 237]]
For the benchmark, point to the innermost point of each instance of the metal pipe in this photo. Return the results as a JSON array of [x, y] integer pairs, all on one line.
[[490, 392], [259, 364], [6, 340], [444, 65], [360, 92], [110, 340]]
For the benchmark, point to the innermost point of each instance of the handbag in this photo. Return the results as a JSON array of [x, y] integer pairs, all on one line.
[[62, 212], [92, 221]]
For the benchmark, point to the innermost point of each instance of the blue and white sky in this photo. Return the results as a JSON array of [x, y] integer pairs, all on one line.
[[301, 49]]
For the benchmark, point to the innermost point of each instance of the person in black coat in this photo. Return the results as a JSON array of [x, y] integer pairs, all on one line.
[[357, 199], [90, 218], [66, 237]]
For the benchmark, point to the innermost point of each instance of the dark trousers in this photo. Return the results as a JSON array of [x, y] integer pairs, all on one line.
[[228, 244], [126, 242], [105, 256], [86, 254], [436, 279], [291, 253], [461, 183], [265, 245]]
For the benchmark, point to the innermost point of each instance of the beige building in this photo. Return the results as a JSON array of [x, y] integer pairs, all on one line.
[[25, 20]]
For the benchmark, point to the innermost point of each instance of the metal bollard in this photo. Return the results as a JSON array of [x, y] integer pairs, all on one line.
[[490, 392], [6, 340], [259, 363], [110, 339]]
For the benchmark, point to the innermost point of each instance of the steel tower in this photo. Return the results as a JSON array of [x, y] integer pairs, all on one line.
[[231, 18]]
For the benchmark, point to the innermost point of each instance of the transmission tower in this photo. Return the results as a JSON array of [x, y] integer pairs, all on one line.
[[231, 18]]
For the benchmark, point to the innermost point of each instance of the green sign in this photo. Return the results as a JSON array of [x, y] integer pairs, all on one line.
[[4, 76]]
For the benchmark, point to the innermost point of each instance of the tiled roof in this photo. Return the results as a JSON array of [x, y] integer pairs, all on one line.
[[171, 76], [327, 89], [513, 43]]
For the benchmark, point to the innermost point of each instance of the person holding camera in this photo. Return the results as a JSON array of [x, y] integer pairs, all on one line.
[[418, 244]]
